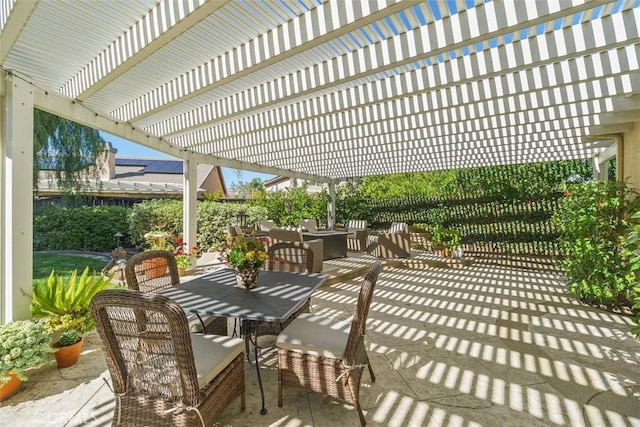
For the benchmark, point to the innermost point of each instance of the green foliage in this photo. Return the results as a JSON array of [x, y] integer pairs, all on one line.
[[66, 148], [431, 184], [64, 304], [85, 228], [592, 220], [511, 182], [448, 238], [632, 252], [214, 196], [213, 219], [24, 344], [245, 253], [68, 337], [249, 190], [289, 206]]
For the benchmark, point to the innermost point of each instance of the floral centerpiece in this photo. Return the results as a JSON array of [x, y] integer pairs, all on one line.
[[183, 254], [24, 344], [246, 257]]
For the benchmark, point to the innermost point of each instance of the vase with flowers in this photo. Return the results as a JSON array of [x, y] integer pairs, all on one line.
[[157, 240], [246, 257], [183, 255]]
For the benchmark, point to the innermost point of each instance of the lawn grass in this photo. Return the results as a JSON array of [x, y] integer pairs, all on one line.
[[43, 263]]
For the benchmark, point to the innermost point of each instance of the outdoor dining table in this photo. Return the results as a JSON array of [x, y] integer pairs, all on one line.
[[276, 297]]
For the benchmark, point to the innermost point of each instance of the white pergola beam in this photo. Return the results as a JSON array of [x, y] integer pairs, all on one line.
[[484, 65], [610, 129], [75, 111], [302, 38], [17, 19], [79, 87]]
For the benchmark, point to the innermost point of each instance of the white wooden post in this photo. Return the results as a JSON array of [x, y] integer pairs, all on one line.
[[16, 202]]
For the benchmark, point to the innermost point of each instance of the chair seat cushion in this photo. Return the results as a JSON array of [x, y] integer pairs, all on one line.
[[315, 335], [212, 353]]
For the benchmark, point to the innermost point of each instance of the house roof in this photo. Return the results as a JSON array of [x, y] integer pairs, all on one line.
[[327, 89], [117, 188], [142, 169]]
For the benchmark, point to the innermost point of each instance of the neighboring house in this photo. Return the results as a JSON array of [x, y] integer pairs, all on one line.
[[114, 180], [282, 182]]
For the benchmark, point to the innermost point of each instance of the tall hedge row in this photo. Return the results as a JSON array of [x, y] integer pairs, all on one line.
[[93, 228]]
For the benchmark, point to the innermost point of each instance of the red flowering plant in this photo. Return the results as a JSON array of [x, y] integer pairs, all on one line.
[[183, 254]]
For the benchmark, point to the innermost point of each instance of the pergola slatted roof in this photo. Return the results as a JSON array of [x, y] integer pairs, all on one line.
[[332, 89]]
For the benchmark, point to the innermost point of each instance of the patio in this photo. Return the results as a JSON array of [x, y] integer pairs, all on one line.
[[479, 344]]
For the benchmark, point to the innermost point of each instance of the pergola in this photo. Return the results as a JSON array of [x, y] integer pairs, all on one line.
[[316, 89]]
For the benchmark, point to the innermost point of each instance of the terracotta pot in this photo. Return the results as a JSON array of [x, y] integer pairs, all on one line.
[[182, 271], [68, 355], [10, 388], [154, 267]]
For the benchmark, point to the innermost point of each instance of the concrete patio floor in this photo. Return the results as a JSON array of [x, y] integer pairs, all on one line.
[[477, 345]]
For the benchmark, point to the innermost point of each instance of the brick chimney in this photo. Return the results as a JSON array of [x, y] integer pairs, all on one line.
[[106, 164]]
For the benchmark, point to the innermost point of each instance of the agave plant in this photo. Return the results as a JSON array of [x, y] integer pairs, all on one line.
[[64, 304]]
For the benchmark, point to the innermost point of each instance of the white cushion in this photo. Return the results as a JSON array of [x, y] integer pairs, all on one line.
[[212, 353], [265, 225], [398, 227], [315, 335], [195, 325]]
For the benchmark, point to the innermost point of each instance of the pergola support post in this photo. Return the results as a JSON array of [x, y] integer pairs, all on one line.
[[16, 199], [189, 204], [331, 206], [628, 166]]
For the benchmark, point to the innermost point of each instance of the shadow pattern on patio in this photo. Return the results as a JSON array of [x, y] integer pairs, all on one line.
[[480, 345]]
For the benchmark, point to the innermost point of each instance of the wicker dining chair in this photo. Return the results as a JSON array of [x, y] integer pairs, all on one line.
[[322, 355], [151, 271], [161, 374], [292, 257]]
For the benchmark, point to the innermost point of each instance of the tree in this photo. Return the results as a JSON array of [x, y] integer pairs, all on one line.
[[248, 190], [65, 147]]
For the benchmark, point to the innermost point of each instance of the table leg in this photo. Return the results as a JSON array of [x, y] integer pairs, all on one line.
[[247, 338]]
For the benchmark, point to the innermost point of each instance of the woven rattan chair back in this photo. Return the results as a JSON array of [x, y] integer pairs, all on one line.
[[293, 257], [146, 341], [148, 349], [335, 377], [151, 271], [359, 322]]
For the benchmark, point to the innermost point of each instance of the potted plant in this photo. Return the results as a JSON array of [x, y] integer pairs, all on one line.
[[24, 345], [446, 240], [69, 346], [157, 240], [246, 257], [63, 304], [183, 255]]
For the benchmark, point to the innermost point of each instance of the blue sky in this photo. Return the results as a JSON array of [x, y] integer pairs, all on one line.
[[128, 148]]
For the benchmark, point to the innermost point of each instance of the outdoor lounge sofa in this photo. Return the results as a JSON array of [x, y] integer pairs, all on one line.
[[394, 243], [357, 237]]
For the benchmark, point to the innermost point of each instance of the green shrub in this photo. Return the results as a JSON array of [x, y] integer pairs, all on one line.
[[213, 219], [85, 228], [289, 206], [65, 304], [592, 220], [632, 252]]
